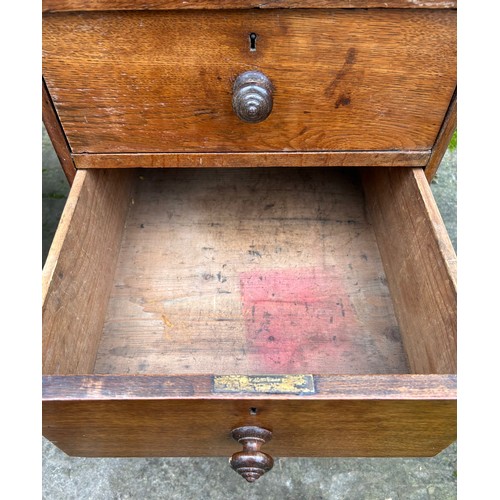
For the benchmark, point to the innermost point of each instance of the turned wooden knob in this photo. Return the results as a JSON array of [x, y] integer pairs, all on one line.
[[251, 463], [252, 96]]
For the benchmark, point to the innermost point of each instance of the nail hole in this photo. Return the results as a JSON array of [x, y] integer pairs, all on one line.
[[253, 42], [253, 411]]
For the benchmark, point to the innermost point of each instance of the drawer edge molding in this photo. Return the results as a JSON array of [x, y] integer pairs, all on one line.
[[443, 139], [260, 159], [166, 387], [60, 234], [83, 5], [56, 134]]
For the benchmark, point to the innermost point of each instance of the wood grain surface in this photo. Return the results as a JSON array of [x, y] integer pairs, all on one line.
[[62, 230], [159, 279], [375, 415], [252, 271], [269, 159], [420, 264], [56, 134], [376, 79], [179, 224], [79, 270], [400, 387], [442, 142], [301, 428], [82, 5]]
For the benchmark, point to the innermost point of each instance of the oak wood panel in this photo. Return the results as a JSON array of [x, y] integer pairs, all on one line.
[[254, 271], [56, 135], [334, 387], [306, 427], [344, 79], [443, 140], [420, 265], [82, 5], [269, 159], [80, 269], [62, 230]]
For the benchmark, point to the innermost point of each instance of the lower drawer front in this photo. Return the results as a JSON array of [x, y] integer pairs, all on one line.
[[357, 80], [347, 417], [318, 304]]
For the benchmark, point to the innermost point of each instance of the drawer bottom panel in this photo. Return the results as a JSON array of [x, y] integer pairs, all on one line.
[[249, 271]]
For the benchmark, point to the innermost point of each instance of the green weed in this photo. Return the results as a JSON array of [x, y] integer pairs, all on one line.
[[453, 142], [55, 196]]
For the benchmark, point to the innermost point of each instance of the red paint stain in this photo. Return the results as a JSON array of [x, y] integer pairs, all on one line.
[[297, 320]]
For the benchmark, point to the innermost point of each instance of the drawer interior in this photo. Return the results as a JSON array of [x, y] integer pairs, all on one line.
[[250, 271]]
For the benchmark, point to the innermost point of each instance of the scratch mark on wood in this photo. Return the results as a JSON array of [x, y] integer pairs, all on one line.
[[166, 321], [167, 324]]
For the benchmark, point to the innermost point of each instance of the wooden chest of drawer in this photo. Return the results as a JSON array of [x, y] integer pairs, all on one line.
[[316, 305]]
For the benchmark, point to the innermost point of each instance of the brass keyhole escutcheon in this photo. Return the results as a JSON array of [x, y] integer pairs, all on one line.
[[252, 96]]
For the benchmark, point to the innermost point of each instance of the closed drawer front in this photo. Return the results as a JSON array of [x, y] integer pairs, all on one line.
[[344, 79], [182, 304]]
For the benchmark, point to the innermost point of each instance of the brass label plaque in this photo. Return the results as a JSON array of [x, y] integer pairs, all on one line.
[[264, 384]]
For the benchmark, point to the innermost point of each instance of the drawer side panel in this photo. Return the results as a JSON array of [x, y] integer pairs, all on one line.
[[420, 265], [78, 273]]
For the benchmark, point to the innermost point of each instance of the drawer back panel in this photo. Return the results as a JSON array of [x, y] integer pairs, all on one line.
[[161, 81]]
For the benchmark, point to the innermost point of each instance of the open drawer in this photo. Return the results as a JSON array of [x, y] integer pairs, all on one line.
[[319, 304]]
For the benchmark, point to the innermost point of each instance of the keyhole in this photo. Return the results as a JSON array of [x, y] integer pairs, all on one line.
[[253, 41]]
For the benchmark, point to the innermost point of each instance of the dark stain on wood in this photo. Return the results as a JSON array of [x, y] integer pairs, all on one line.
[[209, 112], [392, 333], [343, 100], [221, 277], [350, 59], [255, 253]]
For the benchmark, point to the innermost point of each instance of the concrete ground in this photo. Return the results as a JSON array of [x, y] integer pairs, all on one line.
[[67, 478]]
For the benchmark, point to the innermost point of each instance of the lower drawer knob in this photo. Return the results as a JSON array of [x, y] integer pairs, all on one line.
[[251, 463], [252, 96]]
